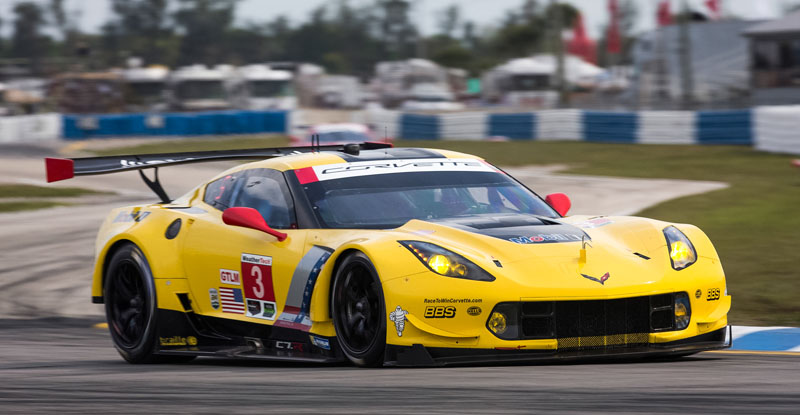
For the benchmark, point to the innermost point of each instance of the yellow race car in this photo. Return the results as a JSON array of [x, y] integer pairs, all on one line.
[[391, 256]]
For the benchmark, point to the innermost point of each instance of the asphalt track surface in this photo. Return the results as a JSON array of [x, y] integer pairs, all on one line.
[[68, 366]]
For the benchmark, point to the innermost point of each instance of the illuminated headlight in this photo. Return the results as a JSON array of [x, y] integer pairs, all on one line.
[[503, 321], [498, 323], [683, 311], [446, 263], [681, 250]]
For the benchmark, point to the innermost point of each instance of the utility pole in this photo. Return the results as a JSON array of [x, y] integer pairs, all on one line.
[[687, 78], [563, 96]]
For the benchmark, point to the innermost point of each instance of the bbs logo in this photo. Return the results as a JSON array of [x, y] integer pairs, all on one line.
[[713, 294], [440, 311]]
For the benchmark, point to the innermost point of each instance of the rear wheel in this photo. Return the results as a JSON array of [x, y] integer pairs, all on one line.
[[359, 312], [130, 299]]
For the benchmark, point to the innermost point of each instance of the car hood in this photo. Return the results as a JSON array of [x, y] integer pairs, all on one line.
[[545, 254]]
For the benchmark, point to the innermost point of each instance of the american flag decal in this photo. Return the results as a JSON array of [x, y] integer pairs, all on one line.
[[232, 300]]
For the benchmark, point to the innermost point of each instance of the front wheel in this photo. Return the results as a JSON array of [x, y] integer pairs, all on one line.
[[358, 311], [130, 299]]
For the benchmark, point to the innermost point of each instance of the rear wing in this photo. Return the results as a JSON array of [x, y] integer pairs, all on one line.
[[58, 169]]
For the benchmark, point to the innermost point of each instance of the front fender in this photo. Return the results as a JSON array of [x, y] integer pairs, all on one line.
[[146, 228]]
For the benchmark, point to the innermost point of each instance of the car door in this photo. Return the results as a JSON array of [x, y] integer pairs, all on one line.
[[237, 272]]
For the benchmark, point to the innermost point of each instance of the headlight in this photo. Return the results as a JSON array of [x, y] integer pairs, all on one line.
[[683, 311], [681, 250], [447, 263], [503, 321]]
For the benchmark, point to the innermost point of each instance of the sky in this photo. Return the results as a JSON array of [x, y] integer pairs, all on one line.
[[485, 13]]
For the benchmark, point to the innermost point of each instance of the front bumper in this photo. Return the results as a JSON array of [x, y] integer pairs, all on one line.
[[418, 355]]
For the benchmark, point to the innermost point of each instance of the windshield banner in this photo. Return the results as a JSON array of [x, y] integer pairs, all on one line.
[[368, 168]]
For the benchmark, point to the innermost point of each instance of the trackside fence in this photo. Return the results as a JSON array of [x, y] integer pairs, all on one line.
[[773, 128]]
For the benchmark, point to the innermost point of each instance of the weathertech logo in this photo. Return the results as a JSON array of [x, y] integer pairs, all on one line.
[[257, 259], [601, 280]]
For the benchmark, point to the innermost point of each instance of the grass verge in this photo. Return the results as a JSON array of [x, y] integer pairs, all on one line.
[[6, 207], [26, 190]]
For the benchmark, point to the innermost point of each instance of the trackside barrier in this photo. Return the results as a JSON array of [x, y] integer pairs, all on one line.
[[30, 128], [666, 127], [77, 127], [769, 128], [566, 125], [764, 127], [610, 126], [725, 127], [777, 129]]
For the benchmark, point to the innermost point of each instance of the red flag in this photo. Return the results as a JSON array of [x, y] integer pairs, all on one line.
[[580, 44], [713, 6], [664, 15], [613, 41]]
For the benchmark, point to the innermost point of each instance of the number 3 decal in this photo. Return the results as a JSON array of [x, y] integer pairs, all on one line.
[[257, 277], [258, 290]]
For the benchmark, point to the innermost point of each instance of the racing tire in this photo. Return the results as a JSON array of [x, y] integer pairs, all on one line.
[[130, 302], [358, 310]]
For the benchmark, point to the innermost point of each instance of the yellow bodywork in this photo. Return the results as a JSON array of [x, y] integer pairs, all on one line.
[[529, 272]]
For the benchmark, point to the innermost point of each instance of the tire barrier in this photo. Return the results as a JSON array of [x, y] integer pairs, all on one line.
[[730, 127], [78, 127], [769, 128], [30, 128], [777, 129]]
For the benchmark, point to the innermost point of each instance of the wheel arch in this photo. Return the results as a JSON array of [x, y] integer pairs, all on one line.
[[340, 257], [98, 293]]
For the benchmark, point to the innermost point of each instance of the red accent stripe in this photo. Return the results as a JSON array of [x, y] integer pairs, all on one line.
[[291, 309], [491, 166], [306, 175], [292, 325], [59, 169]]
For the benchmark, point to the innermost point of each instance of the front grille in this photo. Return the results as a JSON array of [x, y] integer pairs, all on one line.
[[591, 324]]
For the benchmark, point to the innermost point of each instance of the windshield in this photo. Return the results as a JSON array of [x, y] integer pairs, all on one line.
[[385, 201], [268, 89], [201, 90]]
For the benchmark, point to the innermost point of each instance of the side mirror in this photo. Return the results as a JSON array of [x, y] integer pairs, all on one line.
[[250, 218], [560, 202]]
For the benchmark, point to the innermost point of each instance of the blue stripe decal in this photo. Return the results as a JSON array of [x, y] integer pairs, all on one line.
[[305, 306]]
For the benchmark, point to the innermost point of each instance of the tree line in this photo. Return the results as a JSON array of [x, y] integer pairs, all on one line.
[[339, 35]]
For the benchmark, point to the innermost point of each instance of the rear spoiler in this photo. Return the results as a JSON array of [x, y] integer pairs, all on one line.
[[62, 169]]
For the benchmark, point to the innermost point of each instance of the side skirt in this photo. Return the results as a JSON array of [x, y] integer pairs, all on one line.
[[186, 333]]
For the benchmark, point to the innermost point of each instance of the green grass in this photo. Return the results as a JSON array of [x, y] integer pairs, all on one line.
[[26, 190], [754, 224], [199, 144], [27, 205]]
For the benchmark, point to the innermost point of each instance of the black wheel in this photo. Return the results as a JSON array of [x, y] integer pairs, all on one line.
[[130, 299], [358, 311]]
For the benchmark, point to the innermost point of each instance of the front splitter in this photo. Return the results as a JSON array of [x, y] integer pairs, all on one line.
[[418, 355]]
